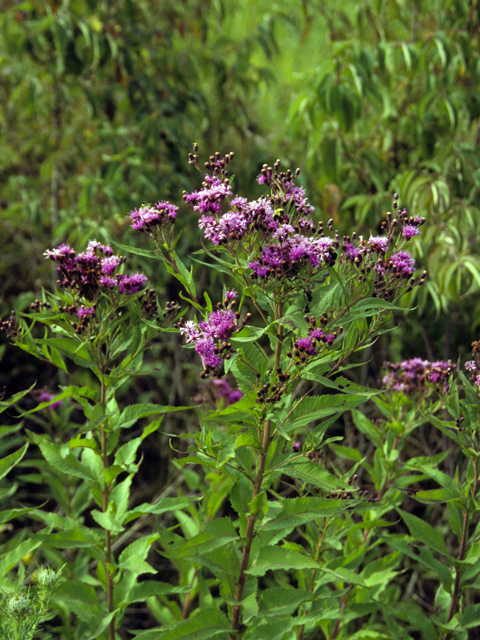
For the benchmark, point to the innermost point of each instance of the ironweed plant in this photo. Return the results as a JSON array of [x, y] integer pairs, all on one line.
[[285, 533]]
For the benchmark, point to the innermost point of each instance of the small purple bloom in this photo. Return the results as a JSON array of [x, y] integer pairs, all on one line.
[[410, 230], [109, 282], [230, 395], [85, 311], [471, 365], [110, 264], [378, 243], [351, 251], [44, 396], [206, 349], [133, 283], [403, 263]]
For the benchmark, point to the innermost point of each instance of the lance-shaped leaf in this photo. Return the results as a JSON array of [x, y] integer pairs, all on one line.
[[134, 412], [11, 460], [318, 407], [273, 558], [279, 600], [298, 511], [10, 558], [424, 533], [164, 505], [307, 471], [73, 349], [216, 534], [205, 624]]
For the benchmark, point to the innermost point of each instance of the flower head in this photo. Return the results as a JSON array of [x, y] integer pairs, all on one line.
[[409, 231]]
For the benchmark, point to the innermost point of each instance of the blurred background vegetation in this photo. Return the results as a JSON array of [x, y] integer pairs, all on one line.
[[101, 100]]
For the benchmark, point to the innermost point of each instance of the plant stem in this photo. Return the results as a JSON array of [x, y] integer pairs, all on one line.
[[242, 577], [105, 496], [461, 555]]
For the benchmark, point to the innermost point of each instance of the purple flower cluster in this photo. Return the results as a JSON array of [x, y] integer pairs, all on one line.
[[211, 336], [289, 240], [287, 258], [473, 366], [410, 223], [92, 272], [210, 198], [225, 391], [45, 396], [412, 376], [149, 217], [316, 340]]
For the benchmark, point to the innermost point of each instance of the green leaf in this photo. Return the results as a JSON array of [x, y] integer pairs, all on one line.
[[57, 456], [282, 601], [279, 558], [424, 533], [70, 539], [470, 618], [308, 471], [144, 590], [164, 505], [11, 460], [216, 534], [298, 511], [317, 407], [434, 496], [134, 412], [10, 559], [203, 625], [107, 521], [73, 349]]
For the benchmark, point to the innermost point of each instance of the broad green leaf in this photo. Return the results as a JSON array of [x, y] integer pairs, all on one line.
[[58, 456], [73, 349], [273, 558], [470, 618], [70, 539]]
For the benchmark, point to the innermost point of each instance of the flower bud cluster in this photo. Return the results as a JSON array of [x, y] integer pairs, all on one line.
[[473, 366], [10, 326], [271, 393], [317, 339], [20, 605], [39, 306], [412, 376]]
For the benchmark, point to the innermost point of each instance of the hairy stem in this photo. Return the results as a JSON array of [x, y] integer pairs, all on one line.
[[108, 534], [461, 554], [267, 427]]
